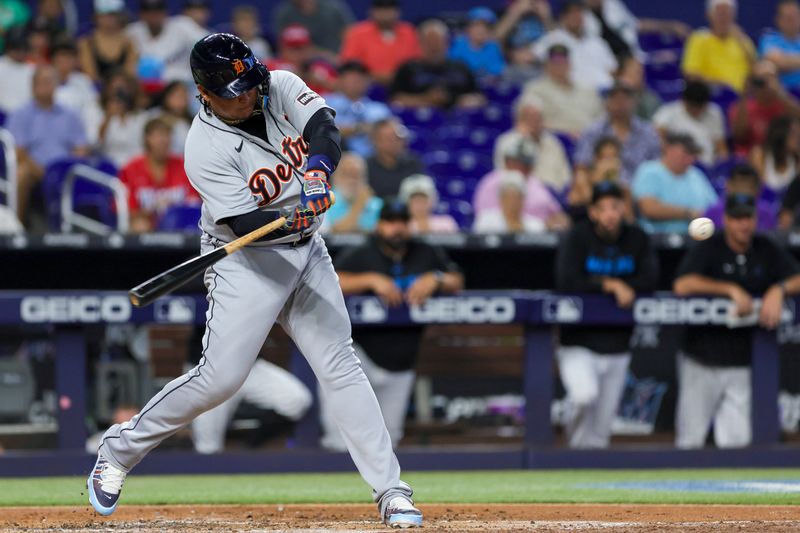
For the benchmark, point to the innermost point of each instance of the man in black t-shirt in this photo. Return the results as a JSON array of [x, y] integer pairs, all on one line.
[[434, 80], [399, 271], [602, 254], [714, 363]]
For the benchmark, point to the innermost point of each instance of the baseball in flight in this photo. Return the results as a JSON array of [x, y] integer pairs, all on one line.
[[701, 228]]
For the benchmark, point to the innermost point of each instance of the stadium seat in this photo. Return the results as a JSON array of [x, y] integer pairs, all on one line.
[[654, 41], [88, 198], [492, 116], [718, 174], [2, 119], [180, 218], [419, 116], [668, 90], [463, 137], [421, 139], [501, 93], [723, 96], [378, 93]]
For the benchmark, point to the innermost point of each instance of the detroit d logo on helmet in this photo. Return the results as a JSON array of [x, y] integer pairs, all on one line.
[[238, 66]]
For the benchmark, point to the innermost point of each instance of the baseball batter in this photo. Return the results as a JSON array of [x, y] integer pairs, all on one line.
[[263, 146]]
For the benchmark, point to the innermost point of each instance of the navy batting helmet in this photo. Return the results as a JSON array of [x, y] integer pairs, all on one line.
[[224, 65]]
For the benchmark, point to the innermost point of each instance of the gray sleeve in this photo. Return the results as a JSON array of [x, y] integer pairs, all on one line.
[[294, 98], [217, 178]]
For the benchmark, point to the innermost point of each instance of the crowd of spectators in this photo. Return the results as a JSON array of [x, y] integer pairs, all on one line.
[[560, 95]]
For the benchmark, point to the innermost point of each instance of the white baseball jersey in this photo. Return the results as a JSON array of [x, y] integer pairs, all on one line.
[[236, 173]]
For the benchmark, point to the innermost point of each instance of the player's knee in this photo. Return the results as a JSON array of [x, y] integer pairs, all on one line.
[[222, 387], [342, 368], [585, 396]]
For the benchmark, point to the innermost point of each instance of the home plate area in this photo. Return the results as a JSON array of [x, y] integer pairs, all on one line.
[[439, 517]]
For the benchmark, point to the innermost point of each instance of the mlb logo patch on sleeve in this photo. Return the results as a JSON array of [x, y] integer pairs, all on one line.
[[306, 97]]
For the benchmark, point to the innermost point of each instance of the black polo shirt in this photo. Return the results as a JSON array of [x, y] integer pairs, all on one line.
[[393, 348], [763, 265], [418, 77]]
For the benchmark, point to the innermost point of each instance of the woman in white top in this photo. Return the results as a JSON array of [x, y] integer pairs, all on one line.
[[122, 129], [777, 158], [419, 193], [510, 217]]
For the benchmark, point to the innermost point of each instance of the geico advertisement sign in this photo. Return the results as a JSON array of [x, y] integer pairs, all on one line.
[[714, 311], [470, 309], [41, 309]]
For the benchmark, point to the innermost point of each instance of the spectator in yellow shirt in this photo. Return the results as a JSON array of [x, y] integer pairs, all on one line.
[[722, 53]]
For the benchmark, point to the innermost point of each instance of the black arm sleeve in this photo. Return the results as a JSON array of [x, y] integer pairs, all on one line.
[[323, 136], [244, 224]]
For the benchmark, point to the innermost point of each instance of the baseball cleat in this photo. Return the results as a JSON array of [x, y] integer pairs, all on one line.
[[401, 513], [105, 486]]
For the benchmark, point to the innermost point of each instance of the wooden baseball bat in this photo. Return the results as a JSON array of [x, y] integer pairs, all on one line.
[[168, 281]]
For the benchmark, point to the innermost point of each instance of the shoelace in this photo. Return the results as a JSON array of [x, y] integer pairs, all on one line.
[[111, 479]]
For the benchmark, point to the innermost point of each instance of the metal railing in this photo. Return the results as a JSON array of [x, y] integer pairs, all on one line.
[[71, 219], [8, 185]]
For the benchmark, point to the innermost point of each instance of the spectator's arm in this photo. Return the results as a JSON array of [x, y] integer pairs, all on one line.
[[131, 59], [783, 60], [356, 282], [693, 283], [349, 222], [655, 209], [86, 59]]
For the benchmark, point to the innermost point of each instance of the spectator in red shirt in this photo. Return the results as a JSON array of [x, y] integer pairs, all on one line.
[[763, 99], [156, 179], [382, 43], [296, 53]]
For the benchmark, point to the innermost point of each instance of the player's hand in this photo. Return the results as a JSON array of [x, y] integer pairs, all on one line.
[[422, 289], [623, 293], [316, 194], [741, 299], [298, 218], [771, 308], [385, 288]]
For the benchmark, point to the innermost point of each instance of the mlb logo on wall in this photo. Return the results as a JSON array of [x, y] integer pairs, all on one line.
[[174, 310], [366, 310], [562, 309]]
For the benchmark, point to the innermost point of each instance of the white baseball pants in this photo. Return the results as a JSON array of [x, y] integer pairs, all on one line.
[[268, 387], [594, 385], [712, 394], [393, 390]]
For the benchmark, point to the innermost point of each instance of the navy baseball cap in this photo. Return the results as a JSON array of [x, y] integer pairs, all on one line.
[[394, 209], [481, 14], [605, 189], [740, 205]]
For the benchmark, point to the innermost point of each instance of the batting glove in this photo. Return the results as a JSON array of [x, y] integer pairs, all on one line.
[[316, 193], [298, 218]]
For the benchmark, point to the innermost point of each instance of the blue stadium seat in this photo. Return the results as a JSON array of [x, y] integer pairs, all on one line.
[[668, 90], [180, 218], [718, 174], [463, 137], [378, 93], [462, 212], [502, 93], [492, 116], [421, 139], [662, 71], [2, 119], [651, 42], [419, 116], [723, 96], [88, 199]]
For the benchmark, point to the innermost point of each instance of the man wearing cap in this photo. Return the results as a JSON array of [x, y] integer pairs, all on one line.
[[400, 271], [744, 179], [721, 53], [326, 21], [600, 255], [539, 204], [16, 73], [696, 115], [566, 106], [433, 80], [714, 361], [164, 42], [551, 165], [355, 111], [593, 63], [419, 193], [383, 42], [670, 192], [639, 139], [297, 54], [477, 48]]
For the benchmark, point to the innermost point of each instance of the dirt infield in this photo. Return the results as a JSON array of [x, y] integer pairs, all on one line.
[[445, 518]]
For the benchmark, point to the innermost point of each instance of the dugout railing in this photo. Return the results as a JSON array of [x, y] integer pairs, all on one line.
[[68, 313]]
